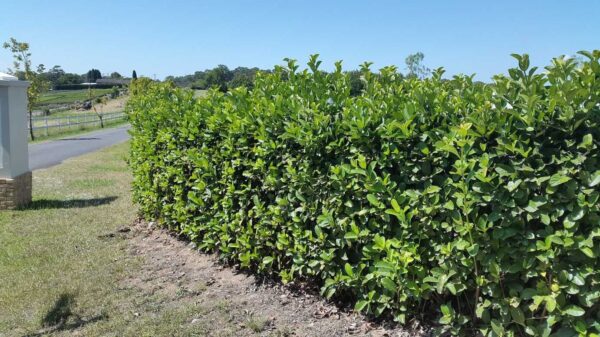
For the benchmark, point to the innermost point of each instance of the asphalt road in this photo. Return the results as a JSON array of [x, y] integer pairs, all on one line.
[[50, 153]]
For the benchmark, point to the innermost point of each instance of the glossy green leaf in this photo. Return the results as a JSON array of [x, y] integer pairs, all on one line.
[[574, 311], [558, 179]]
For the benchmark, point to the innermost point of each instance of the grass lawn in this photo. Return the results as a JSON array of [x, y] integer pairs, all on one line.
[[53, 266], [69, 96], [62, 260], [66, 268]]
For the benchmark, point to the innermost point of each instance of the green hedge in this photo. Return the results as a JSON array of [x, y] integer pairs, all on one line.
[[475, 205]]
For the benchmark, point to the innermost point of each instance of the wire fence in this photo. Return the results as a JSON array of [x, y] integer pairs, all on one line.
[[46, 126]]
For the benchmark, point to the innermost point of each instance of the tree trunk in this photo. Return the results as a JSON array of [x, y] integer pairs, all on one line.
[[31, 125]]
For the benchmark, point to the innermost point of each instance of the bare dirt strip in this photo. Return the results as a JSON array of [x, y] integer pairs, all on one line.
[[231, 303]]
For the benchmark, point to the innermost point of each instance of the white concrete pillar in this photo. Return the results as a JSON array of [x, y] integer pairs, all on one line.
[[15, 177]]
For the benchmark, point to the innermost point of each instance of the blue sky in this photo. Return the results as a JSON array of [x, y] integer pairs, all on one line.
[[178, 37]]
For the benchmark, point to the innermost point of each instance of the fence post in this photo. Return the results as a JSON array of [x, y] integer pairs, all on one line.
[[46, 120]]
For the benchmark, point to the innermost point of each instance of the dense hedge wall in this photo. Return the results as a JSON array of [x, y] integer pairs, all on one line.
[[472, 204]]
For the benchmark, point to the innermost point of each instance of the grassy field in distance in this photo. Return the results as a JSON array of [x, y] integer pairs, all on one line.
[[200, 93], [69, 96]]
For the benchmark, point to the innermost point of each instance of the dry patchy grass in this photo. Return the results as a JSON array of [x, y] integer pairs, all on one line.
[[55, 272]]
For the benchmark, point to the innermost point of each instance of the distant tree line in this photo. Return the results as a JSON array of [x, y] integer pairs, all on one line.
[[220, 77], [224, 79], [57, 77]]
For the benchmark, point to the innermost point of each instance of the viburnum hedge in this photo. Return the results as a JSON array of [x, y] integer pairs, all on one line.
[[472, 204]]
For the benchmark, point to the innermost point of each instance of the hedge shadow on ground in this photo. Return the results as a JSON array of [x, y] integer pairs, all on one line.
[[68, 203]]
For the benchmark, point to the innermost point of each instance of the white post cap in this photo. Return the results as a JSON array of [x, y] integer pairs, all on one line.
[[7, 77]]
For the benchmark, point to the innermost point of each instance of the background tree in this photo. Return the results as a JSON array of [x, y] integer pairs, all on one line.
[[93, 75], [115, 75], [415, 67], [356, 83], [100, 112], [53, 75], [19, 74], [114, 92], [37, 83], [218, 77], [134, 75], [56, 76], [69, 78], [242, 77]]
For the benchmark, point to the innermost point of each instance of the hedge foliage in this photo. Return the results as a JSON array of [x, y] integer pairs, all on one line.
[[472, 204]]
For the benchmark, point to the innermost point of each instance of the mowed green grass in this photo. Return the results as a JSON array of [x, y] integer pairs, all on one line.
[[69, 96], [200, 93], [56, 260], [67, 270]]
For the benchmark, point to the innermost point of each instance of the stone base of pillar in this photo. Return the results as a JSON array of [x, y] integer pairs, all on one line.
[[15, 192]]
